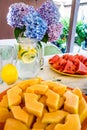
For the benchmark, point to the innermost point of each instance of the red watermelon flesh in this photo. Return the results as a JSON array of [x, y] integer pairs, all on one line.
[[81, 58], [75, 62], [55, 65], [69, 67], [85, 62], [62, 63], [54, 59], [59, 65], [82, 69], [66, 56], [72, 64]]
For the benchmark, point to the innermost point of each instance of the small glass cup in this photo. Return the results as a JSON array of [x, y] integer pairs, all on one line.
[[7, 55]]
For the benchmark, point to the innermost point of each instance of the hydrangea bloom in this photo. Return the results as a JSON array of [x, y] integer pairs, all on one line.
[[41, 24], [54, 31], [49, 12], [16, 13], [35, 26]]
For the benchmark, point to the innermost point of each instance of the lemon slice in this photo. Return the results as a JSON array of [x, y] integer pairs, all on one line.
[[21, 53], [33, 50], [29, 57]]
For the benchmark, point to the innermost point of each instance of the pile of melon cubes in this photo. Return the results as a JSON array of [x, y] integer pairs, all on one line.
[[35, 104]]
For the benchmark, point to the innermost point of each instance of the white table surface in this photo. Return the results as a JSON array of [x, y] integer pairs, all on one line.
[[47, 74]]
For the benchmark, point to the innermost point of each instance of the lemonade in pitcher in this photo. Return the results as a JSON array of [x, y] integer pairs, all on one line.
[[28, 64]]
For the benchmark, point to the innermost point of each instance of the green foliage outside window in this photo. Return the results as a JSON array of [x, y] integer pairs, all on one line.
[[65, 31], [61, 42], [81, 31]]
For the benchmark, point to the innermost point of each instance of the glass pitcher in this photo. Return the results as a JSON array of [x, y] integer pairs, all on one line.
[[28, 64]]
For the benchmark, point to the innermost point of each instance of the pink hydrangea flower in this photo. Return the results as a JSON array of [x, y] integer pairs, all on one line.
[[54, 31]]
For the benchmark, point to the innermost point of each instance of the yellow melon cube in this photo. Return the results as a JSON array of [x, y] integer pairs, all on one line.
[[37, 89], [71, 103], [13, 124], [39, 125], [32, 105], [51, 109], [50, 126], [43, 99], [39, 119], [37, 129], [4, 102], [4, 114], [52, 99], [55, 86], [72, 123], [61, 103], [82, 109], [78, 92], [26, 83], [14, 96], [54, 117], [31, 118], [20, 114]]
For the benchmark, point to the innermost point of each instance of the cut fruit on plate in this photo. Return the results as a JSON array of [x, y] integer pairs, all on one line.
[[68, 64], [73, 75], [40, 104]]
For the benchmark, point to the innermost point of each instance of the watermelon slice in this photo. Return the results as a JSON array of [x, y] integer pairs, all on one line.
[[75, 62], [62, 63], [54, 59], [85, 62], [82, 69], [66, 56], [69, 67], [81, 58], [71, 64], [55, 65], [59, 64]]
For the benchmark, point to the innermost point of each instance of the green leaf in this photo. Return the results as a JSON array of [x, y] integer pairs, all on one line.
[[45, 39], [81, 28], [19, 32]]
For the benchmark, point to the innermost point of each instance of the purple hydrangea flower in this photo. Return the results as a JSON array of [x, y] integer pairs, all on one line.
[[16, 13], [54, 31], [49, 12], [35, 23], [35, 26]]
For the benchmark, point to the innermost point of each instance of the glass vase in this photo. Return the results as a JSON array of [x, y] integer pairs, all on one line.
[[28, 63]]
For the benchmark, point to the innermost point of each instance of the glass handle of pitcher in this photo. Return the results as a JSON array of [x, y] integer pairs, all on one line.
[[40, 48]]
